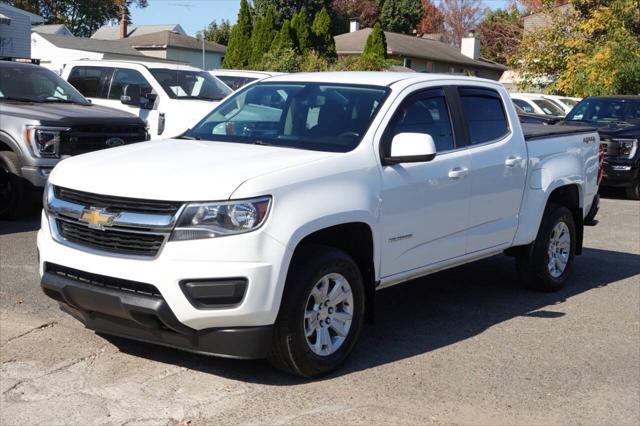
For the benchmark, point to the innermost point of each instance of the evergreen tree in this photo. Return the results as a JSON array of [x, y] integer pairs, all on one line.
[[300, 28], [376, 44], [239, 48], [284, 39], [401, 16], [323, 41], [263, 34]]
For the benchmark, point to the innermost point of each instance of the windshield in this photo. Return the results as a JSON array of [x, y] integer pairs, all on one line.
[[184, 84], [548, 107], [36, 84], [569, 101], [315, 116], [606, 109], [235, 82]]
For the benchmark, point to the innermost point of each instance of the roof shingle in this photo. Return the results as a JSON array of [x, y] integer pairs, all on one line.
[[165, 39]]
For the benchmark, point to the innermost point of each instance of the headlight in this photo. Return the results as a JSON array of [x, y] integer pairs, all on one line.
[[47, 195], [217, 219], [627, 147], [44, 141]]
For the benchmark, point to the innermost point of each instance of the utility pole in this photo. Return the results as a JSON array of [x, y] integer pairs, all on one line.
[[203, 57]]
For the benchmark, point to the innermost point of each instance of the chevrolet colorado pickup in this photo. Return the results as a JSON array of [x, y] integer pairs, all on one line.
[[617, 119], [266, 230], [44, 119]]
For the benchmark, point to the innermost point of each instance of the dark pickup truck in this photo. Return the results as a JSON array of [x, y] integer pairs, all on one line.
[[617, 119], [43, 119]]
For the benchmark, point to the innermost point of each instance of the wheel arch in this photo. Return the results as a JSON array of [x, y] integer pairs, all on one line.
[[357, 239]]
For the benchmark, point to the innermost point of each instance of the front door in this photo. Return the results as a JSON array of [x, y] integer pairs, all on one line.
[[425, 206]]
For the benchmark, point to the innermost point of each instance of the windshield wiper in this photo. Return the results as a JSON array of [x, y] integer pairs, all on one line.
[[18, 99], [61, 101], [262, 143], [191, 138], [206, 98]]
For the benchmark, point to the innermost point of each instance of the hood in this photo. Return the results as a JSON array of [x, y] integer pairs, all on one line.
[[197, 109], [176, 169], [611, 130], [54, 114]]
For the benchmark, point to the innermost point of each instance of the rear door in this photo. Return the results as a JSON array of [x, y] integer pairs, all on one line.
[[498, 168]]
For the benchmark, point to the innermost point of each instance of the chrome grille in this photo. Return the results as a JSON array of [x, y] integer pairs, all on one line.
[[133, 227], [110, 240], [117, 204]]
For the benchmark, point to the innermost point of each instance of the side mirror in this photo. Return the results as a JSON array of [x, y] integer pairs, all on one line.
[[131, 95], [411, 148]]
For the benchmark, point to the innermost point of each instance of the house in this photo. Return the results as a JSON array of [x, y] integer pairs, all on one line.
[[425, 54], [54, 51], [15, 28], [538, 20], [111, 32], [57, 29], [179, 47]]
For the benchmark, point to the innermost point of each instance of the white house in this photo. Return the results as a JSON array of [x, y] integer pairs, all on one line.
[[54, 51], [15, 27], [57, 29], [112, 32]]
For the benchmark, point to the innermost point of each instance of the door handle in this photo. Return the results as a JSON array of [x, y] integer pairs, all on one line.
[[512, 161], [458, 172]]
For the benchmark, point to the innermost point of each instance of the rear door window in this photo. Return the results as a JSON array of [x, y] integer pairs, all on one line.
[[92, 82], [484, 114]]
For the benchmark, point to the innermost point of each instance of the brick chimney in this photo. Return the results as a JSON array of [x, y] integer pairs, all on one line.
[[123, 22]]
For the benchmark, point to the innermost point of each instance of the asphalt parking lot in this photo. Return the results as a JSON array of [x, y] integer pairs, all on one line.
[[465, 346]]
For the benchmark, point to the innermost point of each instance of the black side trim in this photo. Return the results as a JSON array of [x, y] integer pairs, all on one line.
[[149, 319], [215, 293]]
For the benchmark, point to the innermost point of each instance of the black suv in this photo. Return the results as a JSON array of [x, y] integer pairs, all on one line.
[[43, 119], [617, 119]]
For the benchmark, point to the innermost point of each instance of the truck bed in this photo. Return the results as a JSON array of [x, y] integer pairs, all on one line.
[[541, 131]]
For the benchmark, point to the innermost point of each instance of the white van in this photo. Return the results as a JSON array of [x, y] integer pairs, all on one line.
[[171, 98]]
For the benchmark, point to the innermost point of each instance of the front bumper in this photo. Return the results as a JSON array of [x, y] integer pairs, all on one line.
[[620, 175], [147, 317], [256, 257], [37, 176]]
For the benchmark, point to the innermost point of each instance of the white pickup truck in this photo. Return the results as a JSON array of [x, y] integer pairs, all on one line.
[[266, 229]]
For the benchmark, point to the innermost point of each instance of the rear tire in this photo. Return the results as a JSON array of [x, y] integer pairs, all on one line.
[[633, 192], [547, 263], [13, 192], [299, 343]]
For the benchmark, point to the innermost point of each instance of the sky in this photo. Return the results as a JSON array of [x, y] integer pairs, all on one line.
[[194, 15]]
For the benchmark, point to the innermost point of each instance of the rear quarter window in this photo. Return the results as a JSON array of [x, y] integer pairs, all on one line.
[[484, 114], [92, 82]]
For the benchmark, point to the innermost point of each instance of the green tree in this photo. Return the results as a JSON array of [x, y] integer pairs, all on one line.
[[239, 47], [300, 28], [217, 33], [500, 34], [262, 37], [323, 41], [284, 39], [376, 44], [81, 17], [401, 16], [286, 8], [584, 55]]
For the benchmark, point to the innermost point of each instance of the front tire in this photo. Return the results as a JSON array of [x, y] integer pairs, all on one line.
[[547, 263], [321, 314], [633, 192], [13, 194]]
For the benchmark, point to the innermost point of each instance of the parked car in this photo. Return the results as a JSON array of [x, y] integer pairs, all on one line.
[[533, 118], [236, 79], [44, 119], [535, 104], [618, 121], [564, 102], [171, 98], [265, 230]]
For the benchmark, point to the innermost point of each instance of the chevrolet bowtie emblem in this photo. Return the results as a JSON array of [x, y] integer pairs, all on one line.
[[97, 218]]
